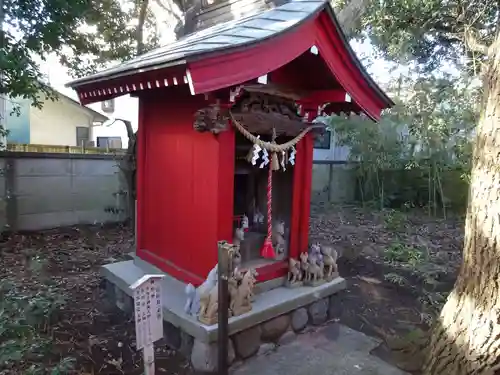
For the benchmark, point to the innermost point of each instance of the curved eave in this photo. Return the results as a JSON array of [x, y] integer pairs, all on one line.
[[388, 101], [104, 76], [323, 31]]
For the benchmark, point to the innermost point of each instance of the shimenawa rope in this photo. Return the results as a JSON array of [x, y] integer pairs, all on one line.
[[270, 146]]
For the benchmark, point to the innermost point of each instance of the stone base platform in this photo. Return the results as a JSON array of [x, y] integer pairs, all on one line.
[[277, 314]]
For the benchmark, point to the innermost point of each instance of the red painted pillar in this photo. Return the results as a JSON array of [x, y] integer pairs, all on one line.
[[305, 192], [225, 210], [140, 165], [301, 195], [295, 242]]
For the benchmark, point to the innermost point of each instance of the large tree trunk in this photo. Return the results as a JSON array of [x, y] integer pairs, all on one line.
[[349, 16], [466, 339]]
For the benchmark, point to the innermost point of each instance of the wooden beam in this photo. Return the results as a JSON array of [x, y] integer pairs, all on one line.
[[320, 97]]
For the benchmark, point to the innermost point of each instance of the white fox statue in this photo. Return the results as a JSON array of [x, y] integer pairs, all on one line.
[[192, 306]]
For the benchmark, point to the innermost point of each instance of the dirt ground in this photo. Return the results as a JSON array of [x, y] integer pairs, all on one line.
[[399, 268], [87, 328]]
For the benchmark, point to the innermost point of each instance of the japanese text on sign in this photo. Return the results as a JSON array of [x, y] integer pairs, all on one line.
[[148, 310]]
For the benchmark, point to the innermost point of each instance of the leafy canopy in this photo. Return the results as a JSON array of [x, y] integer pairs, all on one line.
[[85, 34], [433, 32]]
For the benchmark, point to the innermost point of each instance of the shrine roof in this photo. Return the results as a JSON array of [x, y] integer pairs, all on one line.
[[238, 51], [236, 33]]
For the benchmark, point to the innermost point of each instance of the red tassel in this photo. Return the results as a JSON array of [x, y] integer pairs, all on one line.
[[268, 250]]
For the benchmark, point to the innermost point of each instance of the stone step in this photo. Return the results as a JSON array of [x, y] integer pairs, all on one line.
[[274, 312], [266, 306]]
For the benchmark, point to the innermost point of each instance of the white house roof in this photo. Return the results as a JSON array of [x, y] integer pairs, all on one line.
[[95, 114]]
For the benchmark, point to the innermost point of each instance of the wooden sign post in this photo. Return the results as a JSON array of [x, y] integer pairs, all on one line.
[[148, 317], [225, 254]]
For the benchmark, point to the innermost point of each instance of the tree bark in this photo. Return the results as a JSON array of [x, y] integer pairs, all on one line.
[[128, 167], [466, 338], [350, 15], [139, 37]]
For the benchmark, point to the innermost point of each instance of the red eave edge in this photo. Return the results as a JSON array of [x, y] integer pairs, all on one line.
[[108, 89], [227, 70]]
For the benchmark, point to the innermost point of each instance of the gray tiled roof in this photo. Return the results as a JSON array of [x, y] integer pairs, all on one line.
[[230, 34]]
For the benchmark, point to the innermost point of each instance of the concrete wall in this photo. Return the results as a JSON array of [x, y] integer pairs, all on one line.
[[333, 178], [40, 191], [56, 122], [333, 182], [3, 195]]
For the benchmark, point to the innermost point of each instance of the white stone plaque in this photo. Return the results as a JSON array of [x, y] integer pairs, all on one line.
[[148, 316]]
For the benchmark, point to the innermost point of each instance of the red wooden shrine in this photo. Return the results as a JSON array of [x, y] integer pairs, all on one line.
[[185, 179]]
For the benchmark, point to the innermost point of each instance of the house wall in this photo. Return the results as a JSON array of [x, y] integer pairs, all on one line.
[[17, 122], [42, 190], [335, 153], [56, 122], [126, 107]]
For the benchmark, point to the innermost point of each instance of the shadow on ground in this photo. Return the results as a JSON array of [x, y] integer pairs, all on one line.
[[330, 350]]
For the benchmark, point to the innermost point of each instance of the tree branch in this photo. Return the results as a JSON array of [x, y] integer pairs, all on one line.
[[473, 44], [349, 16], [467, 37]]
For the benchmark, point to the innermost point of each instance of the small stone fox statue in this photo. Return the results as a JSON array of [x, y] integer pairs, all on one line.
[[192, 306]]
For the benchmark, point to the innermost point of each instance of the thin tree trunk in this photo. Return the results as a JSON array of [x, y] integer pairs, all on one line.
[[466, 339], [128, 163], [128, 167], [139, 37]]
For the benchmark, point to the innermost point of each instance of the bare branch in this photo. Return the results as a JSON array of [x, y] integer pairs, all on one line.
[[473, 44], [128, 127]]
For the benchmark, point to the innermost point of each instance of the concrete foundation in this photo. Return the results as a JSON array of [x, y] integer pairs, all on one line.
[[277, 314]]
